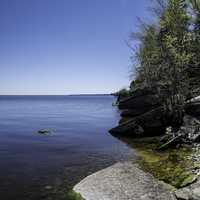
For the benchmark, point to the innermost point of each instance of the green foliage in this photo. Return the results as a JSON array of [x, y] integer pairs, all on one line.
[[71, 195], [195, 43], [195, 5], [148, 56], [168, 55], [174, 42], [123, 93]]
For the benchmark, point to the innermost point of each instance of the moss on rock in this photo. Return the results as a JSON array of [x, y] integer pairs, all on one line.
[[72, 195], [173, 166]]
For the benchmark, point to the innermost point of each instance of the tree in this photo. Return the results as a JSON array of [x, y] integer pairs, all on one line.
[[174, 41], [163, 58], [194, 70], [148, 56]]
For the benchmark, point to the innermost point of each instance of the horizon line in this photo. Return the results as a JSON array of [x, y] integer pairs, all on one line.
[[83, 94]]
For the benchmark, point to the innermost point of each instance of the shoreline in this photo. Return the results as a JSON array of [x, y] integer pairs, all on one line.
[[122, 181]]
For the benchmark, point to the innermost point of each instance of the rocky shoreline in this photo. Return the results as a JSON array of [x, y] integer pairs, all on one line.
[[169, 164], [129, 181], [123, 181], [142, 114]]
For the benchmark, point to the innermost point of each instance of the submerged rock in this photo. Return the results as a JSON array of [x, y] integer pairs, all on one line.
[[123, 181], [44, 132]]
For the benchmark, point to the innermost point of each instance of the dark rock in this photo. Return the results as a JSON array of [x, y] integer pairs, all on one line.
[[150, 123], [44, 132], [141, 114], [125, 119], [140, 101], [133, 112], [196, 138], [128, 128], [193, 108]]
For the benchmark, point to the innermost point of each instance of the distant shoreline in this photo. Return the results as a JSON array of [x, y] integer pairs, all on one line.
[[55, 94]]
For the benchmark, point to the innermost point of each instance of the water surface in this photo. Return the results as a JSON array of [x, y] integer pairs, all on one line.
[[34, 166]]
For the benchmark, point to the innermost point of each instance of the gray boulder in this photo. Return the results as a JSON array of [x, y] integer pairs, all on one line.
[[123, 181]]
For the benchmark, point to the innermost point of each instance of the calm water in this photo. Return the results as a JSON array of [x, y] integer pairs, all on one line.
[[33, 166]]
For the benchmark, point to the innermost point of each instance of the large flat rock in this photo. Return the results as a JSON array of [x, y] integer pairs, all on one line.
[[123, 181]]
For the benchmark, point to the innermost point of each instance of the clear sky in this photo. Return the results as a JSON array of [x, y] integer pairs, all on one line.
[[66, 46]]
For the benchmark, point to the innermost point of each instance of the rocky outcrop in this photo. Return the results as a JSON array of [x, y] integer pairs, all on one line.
[[123, 181], [141, 100], [150, 122], [143, 115]]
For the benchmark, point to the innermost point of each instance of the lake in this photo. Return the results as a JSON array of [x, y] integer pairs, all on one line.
[[35, 166]]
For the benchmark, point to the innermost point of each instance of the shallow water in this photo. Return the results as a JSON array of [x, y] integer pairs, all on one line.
[[35, 166]]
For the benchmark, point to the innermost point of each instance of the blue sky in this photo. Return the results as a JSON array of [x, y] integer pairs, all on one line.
[[66, 46]]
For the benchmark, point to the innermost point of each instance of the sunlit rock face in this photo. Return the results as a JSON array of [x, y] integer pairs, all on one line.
[[123, 181]]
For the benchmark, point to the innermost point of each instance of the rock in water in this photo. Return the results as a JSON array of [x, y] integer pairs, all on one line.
[[123, 181], [44, 132]]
